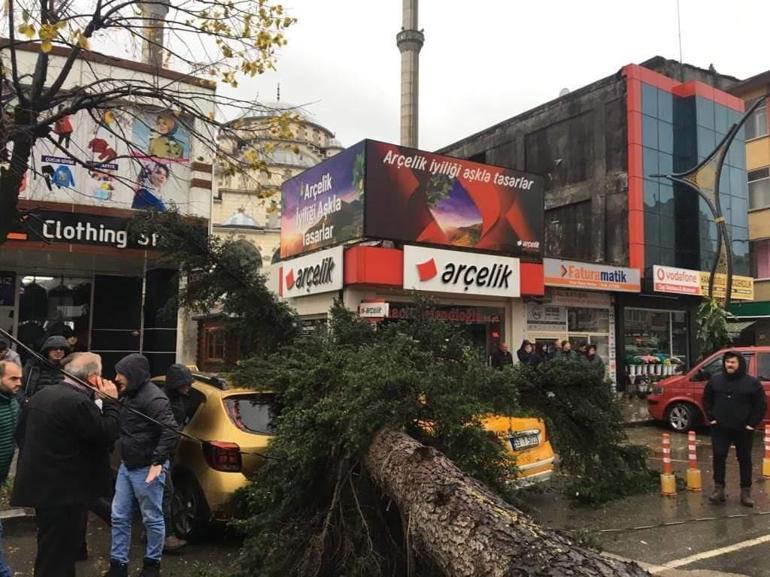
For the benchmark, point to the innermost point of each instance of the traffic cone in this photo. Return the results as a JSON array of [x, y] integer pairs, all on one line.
[[693, 472], [667, 478]]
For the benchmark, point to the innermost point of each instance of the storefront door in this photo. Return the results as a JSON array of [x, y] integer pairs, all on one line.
[[116, 321]]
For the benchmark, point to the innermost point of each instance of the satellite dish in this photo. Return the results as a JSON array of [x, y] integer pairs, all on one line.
[[563, 92]]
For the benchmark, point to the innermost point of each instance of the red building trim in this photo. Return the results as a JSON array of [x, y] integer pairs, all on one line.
[[378, 266]]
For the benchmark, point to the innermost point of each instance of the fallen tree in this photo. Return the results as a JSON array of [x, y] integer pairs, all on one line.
[[380, 465], [466, 529]]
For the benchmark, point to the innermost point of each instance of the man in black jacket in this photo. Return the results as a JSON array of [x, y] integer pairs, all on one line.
[[65, 441], [735, 405], [179, 379], [145, 447], [39, 374]]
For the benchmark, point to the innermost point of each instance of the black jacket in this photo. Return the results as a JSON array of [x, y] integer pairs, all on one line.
[[65, 443], [177, 376], [142, 442], [734, 401], [501, 359], [37, 374]]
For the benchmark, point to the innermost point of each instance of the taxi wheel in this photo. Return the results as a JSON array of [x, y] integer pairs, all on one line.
[[189, 511], [681, 417]]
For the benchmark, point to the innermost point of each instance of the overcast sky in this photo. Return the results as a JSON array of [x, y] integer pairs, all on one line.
[[487, 60]]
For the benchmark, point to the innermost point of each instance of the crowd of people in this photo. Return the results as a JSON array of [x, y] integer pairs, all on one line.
[[66, 420], [533, 354]]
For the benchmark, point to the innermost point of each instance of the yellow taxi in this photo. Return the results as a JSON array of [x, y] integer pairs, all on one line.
[[526, 438]]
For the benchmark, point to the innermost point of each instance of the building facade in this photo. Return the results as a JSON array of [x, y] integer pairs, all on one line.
[[600, 149], [754, 317], [247, 205], [74, 267]]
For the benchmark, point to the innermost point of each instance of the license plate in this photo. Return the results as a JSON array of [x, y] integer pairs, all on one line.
[[524, 441]]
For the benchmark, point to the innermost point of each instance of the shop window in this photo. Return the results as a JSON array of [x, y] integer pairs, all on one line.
[[215, 345], [756, 124], [761, 251], [584, 320], [655, 342], [759, 188]]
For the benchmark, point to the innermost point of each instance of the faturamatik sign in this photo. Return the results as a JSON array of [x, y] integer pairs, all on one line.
[[685, 281], [582, 275]]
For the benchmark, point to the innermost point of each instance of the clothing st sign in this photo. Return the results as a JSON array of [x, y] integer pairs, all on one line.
[[564, 273], [314, 273], [449, 271]]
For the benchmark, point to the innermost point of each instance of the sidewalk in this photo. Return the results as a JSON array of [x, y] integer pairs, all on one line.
[[634, 409]]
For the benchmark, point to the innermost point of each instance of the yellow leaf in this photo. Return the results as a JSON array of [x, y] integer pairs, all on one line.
[[46, 46], [83, 42], [27, 29]]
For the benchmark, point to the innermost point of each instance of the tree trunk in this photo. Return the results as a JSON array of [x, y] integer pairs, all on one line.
[[10, 183], [467, 530]]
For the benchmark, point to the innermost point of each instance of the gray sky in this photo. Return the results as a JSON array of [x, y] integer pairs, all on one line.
[[487, 60]]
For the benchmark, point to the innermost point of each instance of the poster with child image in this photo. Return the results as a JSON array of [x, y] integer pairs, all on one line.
[[160, 134]]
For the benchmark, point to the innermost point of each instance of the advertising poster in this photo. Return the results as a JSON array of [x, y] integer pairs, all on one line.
[[107, 160], [416, 196], [323, 206]]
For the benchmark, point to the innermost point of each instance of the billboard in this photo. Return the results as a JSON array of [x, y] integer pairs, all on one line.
[[696, 282], [384, 191], [564, 273], [415, 196], [323, 206], [132, 158]]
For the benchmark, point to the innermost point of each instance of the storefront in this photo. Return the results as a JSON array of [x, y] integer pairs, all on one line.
[[107, 289], [480, 293], [656, 332]]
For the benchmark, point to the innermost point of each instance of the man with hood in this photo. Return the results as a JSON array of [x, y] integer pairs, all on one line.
[[39, 374], [145, 447], [179, 379], [734, 403], [65, 439]]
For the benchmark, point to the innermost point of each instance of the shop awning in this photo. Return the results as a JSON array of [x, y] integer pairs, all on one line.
[[752, 310], [736, 328]]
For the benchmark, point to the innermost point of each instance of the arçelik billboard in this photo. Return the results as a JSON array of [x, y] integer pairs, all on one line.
[[385, 191]]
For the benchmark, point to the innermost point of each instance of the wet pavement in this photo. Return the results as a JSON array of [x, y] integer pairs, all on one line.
[[703, 539], [200, 560]]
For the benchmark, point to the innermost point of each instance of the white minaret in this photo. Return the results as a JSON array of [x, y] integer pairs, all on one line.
[[410, 41], [154, 15]]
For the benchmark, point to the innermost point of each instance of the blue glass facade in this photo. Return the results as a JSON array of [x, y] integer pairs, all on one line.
[[677, 133]]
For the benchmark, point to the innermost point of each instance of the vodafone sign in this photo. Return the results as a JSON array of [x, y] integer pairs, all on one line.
[[676, 280], [315, 273], [449, 271]]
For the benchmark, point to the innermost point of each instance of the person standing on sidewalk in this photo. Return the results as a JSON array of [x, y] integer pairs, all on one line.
[[10, 383], [39, 374], [179, 379], [145, 446], [65, 440], [735, 404]]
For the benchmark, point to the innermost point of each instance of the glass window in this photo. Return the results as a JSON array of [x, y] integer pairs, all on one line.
[[759, 188], [649, 132], [649, 99], [584, 320], [255, 413], [653, 336], [763, 367], [761, 251], [666, 137], [756, 124], [650, 195], [665, 106], [215, 345], [705, 112]]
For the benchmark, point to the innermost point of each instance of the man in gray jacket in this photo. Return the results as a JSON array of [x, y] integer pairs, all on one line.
[[145, 448]]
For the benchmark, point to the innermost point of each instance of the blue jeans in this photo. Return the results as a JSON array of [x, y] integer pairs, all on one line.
[[131, 490], [5, 571]]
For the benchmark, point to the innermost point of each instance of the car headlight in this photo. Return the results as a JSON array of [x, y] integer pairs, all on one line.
[[657, 390]]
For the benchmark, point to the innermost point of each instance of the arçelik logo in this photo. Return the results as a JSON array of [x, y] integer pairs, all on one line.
[[427, 270], [290, 279]]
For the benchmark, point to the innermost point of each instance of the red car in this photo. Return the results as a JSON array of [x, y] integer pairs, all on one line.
[[678, 400]]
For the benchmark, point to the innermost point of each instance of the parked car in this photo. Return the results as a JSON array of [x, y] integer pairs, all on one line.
[[527, 439], [238, 425], [678, 400]]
